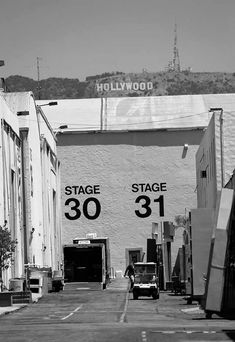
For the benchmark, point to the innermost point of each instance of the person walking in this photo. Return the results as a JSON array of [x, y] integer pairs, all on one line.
[[130, 272]]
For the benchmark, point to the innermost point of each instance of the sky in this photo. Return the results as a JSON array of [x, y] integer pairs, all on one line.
[[80, 38]]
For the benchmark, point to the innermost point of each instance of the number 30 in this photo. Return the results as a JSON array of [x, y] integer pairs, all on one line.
[[77, 211]]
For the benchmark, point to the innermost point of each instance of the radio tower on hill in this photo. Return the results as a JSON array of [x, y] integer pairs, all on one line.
[[174, 65]]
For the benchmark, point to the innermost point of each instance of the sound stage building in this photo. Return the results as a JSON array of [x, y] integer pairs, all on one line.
[[128, 164]]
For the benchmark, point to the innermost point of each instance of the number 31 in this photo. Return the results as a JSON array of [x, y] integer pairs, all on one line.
[[145, 204]]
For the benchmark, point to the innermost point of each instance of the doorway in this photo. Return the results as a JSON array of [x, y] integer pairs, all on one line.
[[134, 255], [83, 263]]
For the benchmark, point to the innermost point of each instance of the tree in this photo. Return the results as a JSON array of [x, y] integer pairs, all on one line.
[[7, 249], [181, 221]]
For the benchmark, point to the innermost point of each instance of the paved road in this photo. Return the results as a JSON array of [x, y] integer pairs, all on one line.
[[83, 314]]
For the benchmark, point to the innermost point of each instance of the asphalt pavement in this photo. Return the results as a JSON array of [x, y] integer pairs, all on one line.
[[117, 284], [168, 304]]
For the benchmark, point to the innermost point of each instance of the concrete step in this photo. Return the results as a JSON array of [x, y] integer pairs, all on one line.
[[79, 286]]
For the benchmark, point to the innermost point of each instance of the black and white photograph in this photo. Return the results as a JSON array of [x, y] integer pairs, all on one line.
[[117, 170]]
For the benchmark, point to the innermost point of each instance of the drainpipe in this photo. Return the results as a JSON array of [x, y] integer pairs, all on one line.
[[25, 193]]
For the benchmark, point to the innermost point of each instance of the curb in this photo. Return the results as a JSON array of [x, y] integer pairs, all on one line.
[[12, 309]]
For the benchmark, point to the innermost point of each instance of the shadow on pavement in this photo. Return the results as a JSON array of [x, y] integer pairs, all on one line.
[[230, 334]]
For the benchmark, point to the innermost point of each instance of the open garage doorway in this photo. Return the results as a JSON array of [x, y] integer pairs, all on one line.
[[84, 264]]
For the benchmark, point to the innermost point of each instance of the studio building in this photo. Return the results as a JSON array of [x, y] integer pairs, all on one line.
[[29, 187], [126, 164]]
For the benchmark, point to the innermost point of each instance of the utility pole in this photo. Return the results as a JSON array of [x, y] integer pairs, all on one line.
[[176, 58], [174, 64], [38, 73], [2, 80]]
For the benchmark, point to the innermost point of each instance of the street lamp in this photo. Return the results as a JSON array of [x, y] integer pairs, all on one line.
[[63, 127], [59, 130], [53, 103], [40, 111]]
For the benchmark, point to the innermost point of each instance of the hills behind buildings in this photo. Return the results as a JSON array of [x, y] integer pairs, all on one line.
[[116, 84]]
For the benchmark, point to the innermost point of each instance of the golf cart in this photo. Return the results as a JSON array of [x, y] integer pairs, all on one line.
[[146, 280]]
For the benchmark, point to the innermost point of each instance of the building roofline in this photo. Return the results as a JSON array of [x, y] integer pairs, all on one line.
[[98, 131]]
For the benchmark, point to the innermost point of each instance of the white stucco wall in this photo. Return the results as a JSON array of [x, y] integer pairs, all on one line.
[[114, 161], [36, 200], [41, 179], [212, 158], [206, 161], [10, 184], [45, 241]]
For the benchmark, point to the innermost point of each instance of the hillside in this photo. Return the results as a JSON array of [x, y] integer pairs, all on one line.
[[162, 83]]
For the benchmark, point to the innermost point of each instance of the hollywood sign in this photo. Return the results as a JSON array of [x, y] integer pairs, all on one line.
[[124, 86]]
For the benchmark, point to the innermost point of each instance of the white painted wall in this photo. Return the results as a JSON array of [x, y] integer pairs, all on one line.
[[114, 161], [41, 178], [209, 157], [10, 185]]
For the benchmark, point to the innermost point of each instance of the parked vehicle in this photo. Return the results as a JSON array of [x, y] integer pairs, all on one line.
[[146, 282]]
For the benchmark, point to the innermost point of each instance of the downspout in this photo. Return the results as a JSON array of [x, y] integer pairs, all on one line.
[[25, 209], [4, 174]]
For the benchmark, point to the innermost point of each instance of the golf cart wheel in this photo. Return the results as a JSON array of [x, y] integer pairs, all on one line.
[[155, 295], [135, 295], [209, 314]]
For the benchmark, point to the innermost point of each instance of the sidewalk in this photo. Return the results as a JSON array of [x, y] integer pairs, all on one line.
[[4, 310]]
